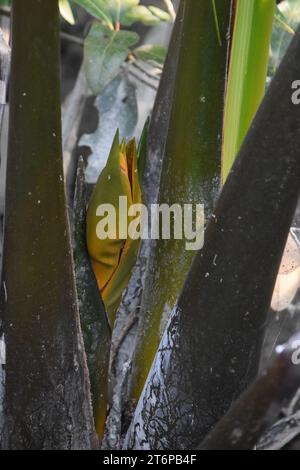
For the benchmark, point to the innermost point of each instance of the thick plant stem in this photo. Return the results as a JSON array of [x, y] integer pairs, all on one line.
[[93, 319], [210, 351], [160, 118], [191, 165], [247, 73], [47, 398]]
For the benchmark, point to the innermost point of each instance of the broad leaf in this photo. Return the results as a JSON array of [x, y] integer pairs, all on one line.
[[105, 51], [125, 12], [98, 9]]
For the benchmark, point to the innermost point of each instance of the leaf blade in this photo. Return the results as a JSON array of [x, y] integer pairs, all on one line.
[[97, 9], [104, 53]]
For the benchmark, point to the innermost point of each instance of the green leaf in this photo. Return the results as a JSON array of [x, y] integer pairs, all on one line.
[[247, 74], [119, 8], [66, 11], [142, 14], [98, 9], [151, 52], [104, 52], [125, 12], [161, 14]]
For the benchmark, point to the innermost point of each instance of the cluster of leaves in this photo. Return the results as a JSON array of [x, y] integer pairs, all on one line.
[[126, 12], [107, 46]]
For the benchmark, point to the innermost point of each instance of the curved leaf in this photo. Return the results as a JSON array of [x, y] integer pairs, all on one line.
[[125, 12], [95, 8]]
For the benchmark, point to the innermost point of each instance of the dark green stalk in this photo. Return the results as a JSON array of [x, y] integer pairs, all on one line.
[[160, 118], [94, 323], [191, 164], [47, 398]]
